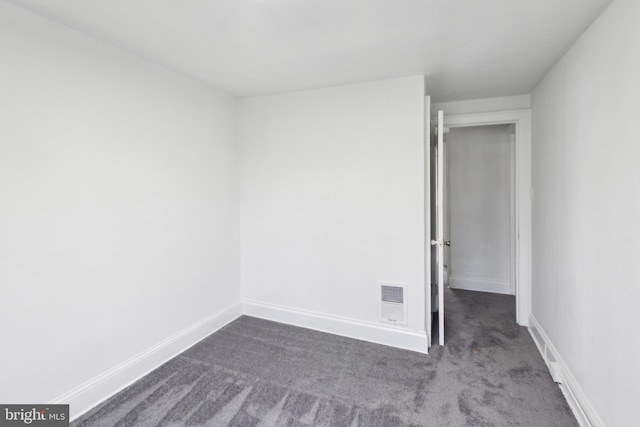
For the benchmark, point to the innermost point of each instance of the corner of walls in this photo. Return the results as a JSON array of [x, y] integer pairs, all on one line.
[[119, 219], [91, 393], [332, 201]]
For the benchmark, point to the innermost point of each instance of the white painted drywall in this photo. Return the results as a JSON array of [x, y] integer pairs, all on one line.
[[478, 208], [586, 180], [484, 105], [118, 206], [332, 198]]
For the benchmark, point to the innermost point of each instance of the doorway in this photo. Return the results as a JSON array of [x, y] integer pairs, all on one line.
[[479, 193], [519, 123]]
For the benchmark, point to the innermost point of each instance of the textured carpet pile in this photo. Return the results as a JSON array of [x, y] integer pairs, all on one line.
[[255, 372]]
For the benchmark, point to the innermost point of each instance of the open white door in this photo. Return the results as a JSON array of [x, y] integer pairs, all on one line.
[[438, 242]]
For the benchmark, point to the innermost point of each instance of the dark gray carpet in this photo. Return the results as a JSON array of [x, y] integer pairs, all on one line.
[[255, 372]]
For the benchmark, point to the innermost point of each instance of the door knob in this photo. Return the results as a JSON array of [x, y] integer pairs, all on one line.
[[447, 242]]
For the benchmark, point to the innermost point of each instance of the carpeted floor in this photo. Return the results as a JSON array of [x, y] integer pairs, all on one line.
[[255, 372]]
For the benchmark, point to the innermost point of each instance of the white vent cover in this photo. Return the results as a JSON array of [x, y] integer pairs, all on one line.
[[393, 302]]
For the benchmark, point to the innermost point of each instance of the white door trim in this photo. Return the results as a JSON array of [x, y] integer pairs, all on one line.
[[522, 121], [512, 211], [440, 224], [428, 315]]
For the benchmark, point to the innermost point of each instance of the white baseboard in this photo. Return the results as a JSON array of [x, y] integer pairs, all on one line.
[[366, 331], [580, 405], [96, 390], [479, 284], [91, 393]]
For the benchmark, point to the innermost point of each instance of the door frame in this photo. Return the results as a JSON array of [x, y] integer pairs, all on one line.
[[428, 315], [523, 194]]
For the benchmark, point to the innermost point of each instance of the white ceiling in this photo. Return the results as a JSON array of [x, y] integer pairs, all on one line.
[[468, 49]]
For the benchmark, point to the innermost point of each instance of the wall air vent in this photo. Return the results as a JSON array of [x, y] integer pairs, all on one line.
[[393, 302]]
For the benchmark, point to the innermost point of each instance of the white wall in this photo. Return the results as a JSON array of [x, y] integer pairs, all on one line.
[[118, 206], [586, 178], [332, 198], [478, 208], [484, 105]]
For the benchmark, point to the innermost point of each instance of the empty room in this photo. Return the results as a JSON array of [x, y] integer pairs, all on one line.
[[319, 212]]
